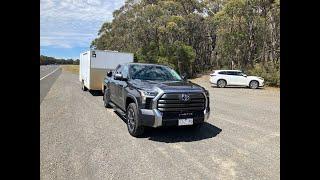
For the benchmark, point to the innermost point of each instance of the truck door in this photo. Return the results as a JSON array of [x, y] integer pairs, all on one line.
[[113, 86], [118, 88], [121, 87]]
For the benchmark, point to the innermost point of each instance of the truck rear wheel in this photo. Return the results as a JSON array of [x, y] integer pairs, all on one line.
[[133, 122], [83, 87]]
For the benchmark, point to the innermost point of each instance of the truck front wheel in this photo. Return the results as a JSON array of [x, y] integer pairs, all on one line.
[[133, 123]]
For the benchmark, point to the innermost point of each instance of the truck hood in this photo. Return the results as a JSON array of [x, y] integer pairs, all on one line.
[[165, 85]]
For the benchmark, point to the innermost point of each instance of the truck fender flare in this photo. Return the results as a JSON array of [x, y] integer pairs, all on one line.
[[132, 97]]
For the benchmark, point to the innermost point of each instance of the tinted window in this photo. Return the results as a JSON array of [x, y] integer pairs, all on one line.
[[125, 71], [222, 72], [229, 73], [234, 73], [156, 73]]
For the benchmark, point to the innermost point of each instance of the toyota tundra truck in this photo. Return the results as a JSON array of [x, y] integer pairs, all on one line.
[[150, 95]]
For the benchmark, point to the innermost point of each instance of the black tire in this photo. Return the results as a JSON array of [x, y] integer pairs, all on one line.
[[253, 84], [133, 123], [83, 87], [221, 83], [106, 99]]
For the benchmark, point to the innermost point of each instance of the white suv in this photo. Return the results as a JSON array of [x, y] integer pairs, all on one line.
[[223, 78]]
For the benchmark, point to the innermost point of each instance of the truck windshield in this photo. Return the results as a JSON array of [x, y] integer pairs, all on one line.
[[153, 73]]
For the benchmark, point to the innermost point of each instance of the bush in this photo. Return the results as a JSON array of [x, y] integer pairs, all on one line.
[[270, 73]]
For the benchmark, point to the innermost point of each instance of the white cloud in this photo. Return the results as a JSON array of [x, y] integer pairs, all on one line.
[[73, 23]]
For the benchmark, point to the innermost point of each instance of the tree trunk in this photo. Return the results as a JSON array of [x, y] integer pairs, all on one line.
[[180, 67]]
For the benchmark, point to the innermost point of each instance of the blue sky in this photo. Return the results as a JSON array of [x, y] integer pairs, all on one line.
[[67, 27]]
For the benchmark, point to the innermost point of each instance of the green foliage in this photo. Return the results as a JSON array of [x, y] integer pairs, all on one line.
[[270, 73], [184, 56], [196, 36], [46, 60]]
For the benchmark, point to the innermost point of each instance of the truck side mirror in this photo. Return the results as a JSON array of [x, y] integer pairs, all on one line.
[[109, 74]]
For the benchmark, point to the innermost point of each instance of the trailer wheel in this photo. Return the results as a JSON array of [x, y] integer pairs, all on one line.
[[83, 87]]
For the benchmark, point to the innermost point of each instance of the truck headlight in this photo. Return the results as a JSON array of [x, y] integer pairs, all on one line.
[[147, 94]]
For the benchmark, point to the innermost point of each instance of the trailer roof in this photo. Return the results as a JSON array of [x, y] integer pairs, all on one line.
[[145, 64], [110, 51]]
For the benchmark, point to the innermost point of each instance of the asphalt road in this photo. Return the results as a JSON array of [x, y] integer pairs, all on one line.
[[48, 75], [80, 139], [47, 69]]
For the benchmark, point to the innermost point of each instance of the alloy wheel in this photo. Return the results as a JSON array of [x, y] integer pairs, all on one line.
[[131, 121]]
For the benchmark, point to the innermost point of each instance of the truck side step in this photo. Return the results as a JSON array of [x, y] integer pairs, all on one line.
[[120, 111], [111, 104]]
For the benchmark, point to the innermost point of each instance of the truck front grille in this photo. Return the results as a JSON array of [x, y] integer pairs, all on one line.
[[174, 102]]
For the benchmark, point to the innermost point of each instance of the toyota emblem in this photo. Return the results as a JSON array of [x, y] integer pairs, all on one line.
[[185, 97]]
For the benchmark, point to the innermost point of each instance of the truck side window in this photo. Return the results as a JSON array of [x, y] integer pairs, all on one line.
[[125, 71], [118, 69]]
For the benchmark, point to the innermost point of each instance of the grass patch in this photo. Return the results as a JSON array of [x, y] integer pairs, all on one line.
[[70, 68]]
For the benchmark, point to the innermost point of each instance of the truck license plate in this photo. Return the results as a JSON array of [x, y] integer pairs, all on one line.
[[188, 121]]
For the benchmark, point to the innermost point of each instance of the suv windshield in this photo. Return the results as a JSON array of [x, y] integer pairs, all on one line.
[[154, 73]]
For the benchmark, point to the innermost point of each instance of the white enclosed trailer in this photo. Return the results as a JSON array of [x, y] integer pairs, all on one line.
[[94, 65]]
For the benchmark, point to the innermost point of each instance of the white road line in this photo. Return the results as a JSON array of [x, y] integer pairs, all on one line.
[[49, 73]]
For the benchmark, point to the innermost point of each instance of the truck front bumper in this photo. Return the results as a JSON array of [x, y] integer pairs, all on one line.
[[155, 118]]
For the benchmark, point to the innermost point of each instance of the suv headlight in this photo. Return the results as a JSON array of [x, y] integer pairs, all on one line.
[[147, 94]]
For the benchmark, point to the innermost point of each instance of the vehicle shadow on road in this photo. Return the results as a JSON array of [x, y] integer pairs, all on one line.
[[179, 134], [182, 134], [96, 93]]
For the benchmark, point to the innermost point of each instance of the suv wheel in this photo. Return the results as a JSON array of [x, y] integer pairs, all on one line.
[[254, 84], [106, 98], [222, 83], [133, 122]]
